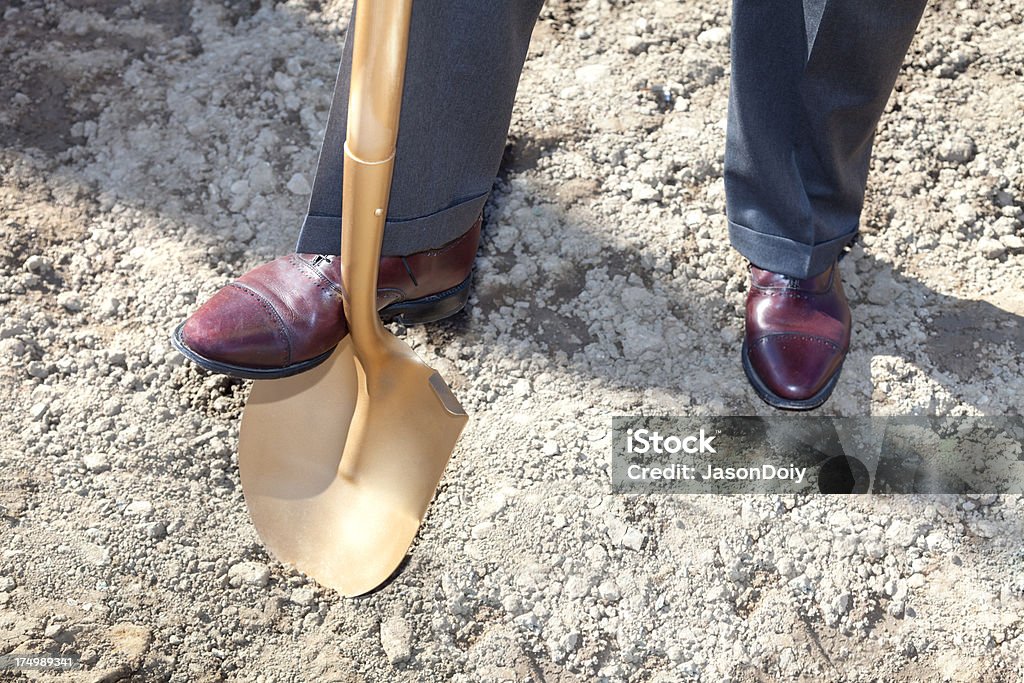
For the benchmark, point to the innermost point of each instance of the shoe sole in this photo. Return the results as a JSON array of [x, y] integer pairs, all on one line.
[[427, 309], [776, 401]]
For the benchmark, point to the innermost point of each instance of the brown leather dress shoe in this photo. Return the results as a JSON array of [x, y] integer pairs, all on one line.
[[286, 316], [797, 336]]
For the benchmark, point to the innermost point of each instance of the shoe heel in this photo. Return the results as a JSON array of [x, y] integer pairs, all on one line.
[[430, 308]]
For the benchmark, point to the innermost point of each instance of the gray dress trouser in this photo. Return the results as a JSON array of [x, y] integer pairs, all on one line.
[[810, 80]]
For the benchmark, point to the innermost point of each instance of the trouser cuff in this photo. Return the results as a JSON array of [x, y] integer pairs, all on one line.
[[783, 255], [402, 236]]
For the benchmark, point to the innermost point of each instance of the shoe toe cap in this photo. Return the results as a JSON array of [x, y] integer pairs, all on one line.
[[795, 367], [237, 327]]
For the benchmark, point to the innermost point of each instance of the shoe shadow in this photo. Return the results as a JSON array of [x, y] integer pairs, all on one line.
[[552, 284], [920, 351]]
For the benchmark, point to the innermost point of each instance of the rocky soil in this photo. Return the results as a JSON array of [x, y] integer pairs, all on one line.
[[151, 151]]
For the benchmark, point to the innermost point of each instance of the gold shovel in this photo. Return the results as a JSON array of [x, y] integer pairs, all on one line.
[[339, 464]]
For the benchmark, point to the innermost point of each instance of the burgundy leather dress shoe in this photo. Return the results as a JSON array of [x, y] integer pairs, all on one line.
[[286, 316], [797, 336]]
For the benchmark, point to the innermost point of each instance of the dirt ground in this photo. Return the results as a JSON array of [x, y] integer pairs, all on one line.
[[149, 152]]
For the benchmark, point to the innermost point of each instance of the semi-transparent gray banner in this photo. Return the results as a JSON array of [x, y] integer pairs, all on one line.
[[790, 454]]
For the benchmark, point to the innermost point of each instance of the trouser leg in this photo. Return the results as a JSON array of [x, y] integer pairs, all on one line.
[[809, 82], [464, 61]]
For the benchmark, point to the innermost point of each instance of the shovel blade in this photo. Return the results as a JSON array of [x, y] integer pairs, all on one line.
[[404, 427], [339, 464]]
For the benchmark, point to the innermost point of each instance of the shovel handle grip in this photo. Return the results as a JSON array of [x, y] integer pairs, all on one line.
[[379, 48]]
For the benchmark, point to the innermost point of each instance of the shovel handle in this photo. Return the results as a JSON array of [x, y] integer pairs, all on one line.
[[380, 41]]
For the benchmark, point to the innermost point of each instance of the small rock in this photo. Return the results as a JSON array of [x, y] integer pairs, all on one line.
[[13, 348], [156, 530], [592, 73], [958, 150], [242, 232], [609, 590], [95, 554], [550, 448], [37, 264], [786, 568], [304, 596], [991, 248], [935, 541], [482, 530], [965, 214], [984, 528], [110, 307], [577, 587], [493, 505], [7, 584], [396, 639], [70, 301], [635, 45], [521, 389], [1004, 225], [1012, 242], [284, 82], [633, 539], [248, 574], [713, 36], [95, 462], [884, 290], [298, 184], [139, 508], [240, 188], [642, 192], [261, 177], [596, 554], [717, 592], [38, 370]]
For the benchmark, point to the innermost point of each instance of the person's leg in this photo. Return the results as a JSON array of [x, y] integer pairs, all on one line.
[[286, 316], [809, 83], [464, 63]]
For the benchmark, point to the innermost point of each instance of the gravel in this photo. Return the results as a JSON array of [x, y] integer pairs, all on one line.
[[396, 639], [148, 155]]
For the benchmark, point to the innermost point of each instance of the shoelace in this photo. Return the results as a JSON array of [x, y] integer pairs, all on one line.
[[329, 259]]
